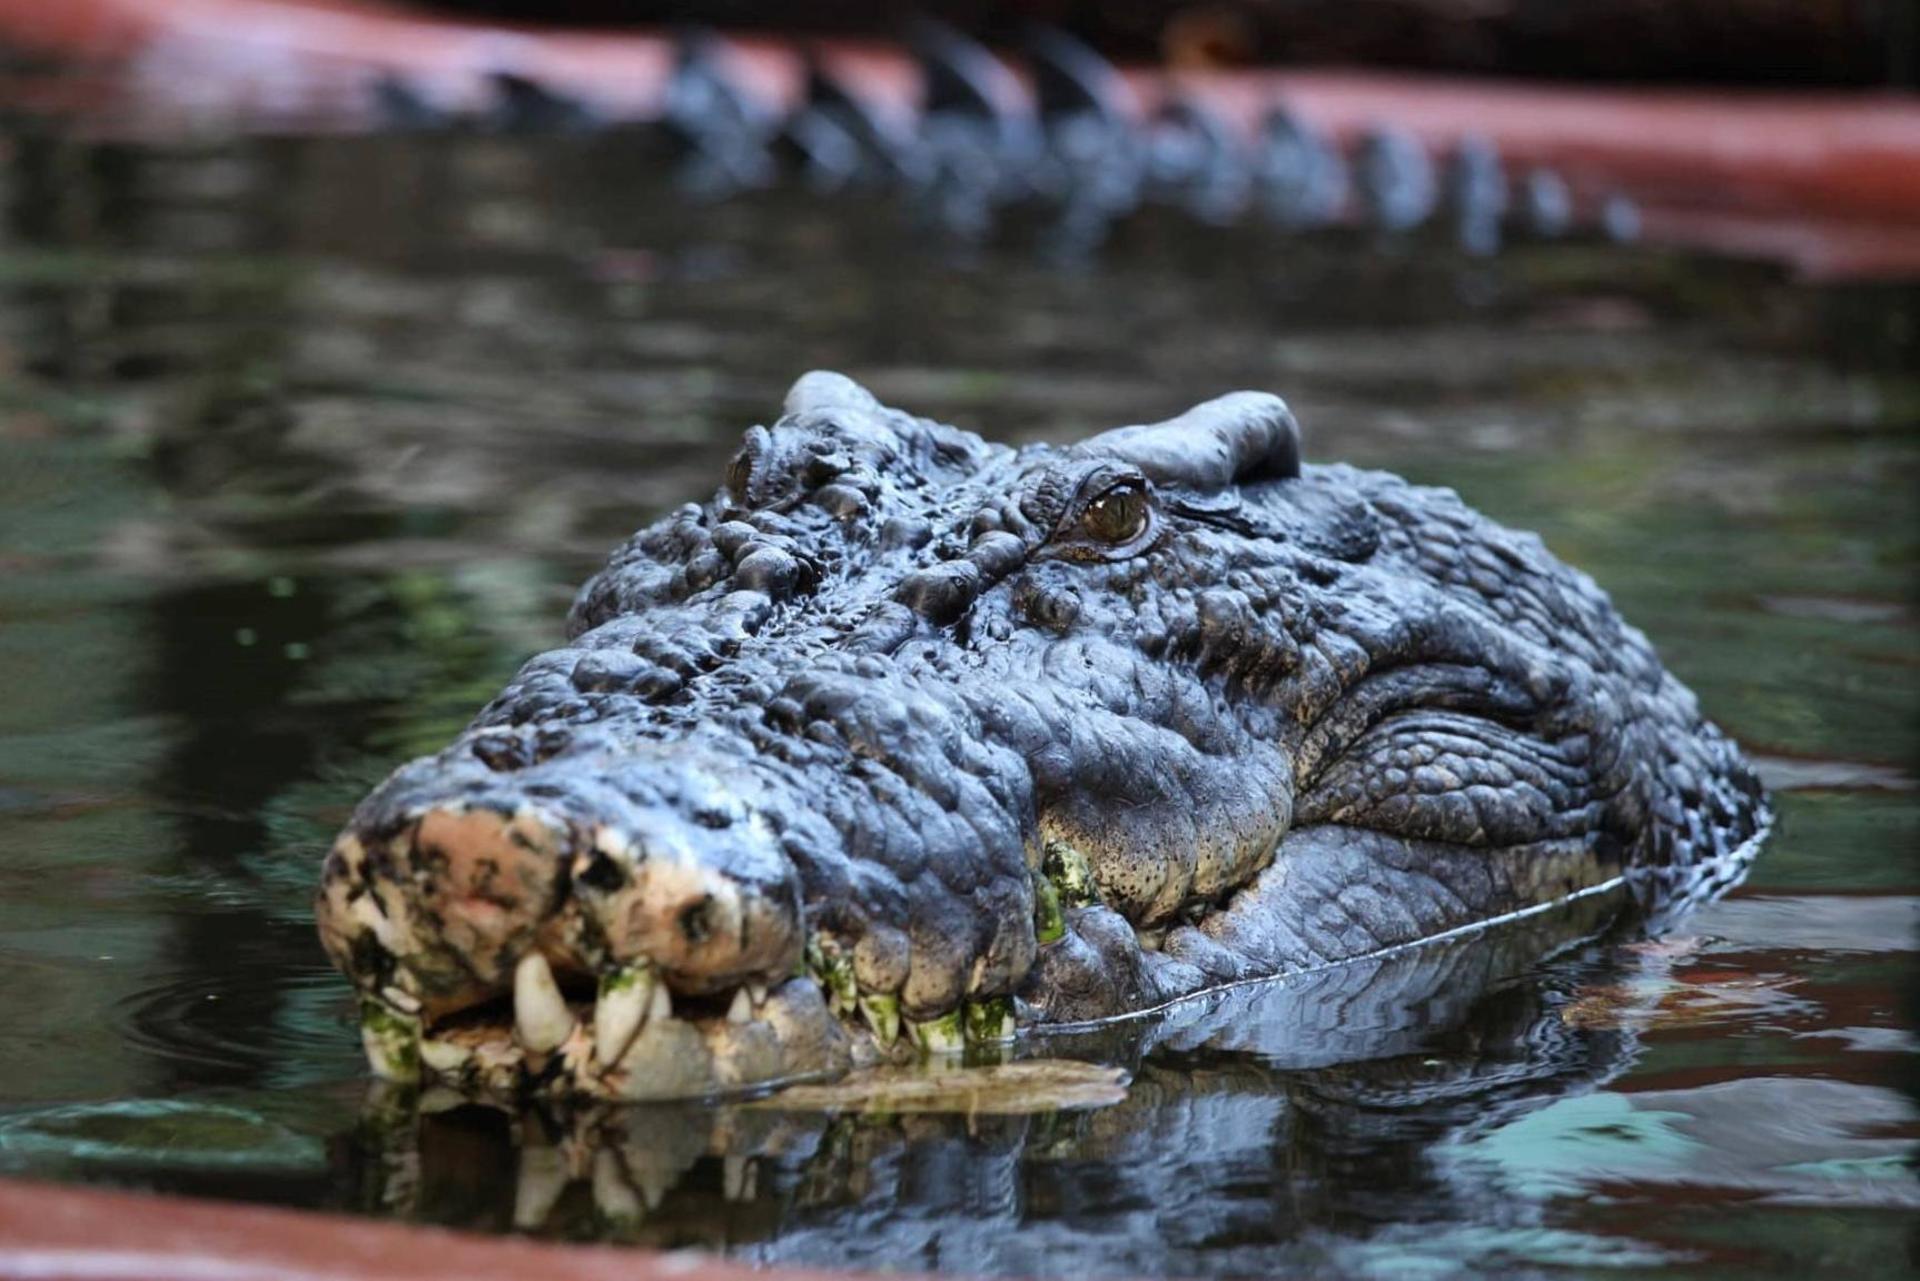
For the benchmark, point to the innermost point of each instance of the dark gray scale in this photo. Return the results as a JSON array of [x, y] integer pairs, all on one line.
[[524, 105], [1546, 206], [842, 142], [1395, 178], [401, 108], [724, 134], [1477, 194], [1620, 219], [1299, 176], [976, 154], [1094, 169], [1194, 160]]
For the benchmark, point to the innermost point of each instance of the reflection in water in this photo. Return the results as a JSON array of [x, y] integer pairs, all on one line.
[[1257, 1122], [306, 443]]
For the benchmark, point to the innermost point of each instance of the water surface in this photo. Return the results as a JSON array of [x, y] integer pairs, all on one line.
[[303, 447]]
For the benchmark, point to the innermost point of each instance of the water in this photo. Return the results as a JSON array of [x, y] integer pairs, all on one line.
[[306, 444]]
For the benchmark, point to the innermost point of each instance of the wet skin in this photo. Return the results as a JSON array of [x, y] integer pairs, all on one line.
[[905, 740]]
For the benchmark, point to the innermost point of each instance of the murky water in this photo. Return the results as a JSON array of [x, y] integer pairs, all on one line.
[[303, 446]]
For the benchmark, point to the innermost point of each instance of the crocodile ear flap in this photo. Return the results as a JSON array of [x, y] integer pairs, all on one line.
[[1239, 438]]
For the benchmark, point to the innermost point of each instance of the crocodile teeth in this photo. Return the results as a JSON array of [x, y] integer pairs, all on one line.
[[660, 1005], [392, 1041], [942, 1035], [445, 1057], [990, 1022], [741, 1011], [758, 991], [541, 1020], [621, 1012], [882, 1013]]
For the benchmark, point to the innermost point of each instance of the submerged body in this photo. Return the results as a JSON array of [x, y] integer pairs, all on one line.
[[906, 740]]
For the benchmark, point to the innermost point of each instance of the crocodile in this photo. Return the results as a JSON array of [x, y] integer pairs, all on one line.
[[907, 743]]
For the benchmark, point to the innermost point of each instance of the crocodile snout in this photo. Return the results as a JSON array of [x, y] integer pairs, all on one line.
[[549, 930], [711, 908]]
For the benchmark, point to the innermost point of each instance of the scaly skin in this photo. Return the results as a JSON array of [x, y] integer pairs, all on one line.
[[904, 739]]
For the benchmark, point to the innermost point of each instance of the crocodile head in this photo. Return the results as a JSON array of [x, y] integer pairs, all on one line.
[[904, 740]]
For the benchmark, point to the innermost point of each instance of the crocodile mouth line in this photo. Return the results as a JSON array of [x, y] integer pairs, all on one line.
[[626, 1037], [629, 1038]]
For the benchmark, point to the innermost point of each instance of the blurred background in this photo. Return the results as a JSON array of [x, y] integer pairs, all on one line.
[[339, 342], [1830, 42]]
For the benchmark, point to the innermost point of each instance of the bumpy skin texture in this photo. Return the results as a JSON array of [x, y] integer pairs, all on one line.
[[932, 722]]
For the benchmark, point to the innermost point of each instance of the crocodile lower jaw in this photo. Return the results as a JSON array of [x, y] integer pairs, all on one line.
[[627, 1043]]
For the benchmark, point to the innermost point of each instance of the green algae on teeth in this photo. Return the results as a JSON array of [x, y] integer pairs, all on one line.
[[1072, 877], [990, 1022], [941, 1035], [392, 1041], [882, 1013], [832, 968], [1049, 923], [622, 1009]]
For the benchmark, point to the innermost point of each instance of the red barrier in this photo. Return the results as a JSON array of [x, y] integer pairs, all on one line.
[[1828, 182], [50, 1233]]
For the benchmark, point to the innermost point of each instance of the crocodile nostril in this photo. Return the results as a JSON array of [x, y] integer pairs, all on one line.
[[696, 920], [599, 871]]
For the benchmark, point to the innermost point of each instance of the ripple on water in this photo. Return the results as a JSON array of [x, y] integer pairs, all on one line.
[[152, 1134], [269, 1028]]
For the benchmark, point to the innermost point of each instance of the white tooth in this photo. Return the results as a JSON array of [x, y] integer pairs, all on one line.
[[541, 1020], [660, 1006], [741, 1011], [611, 1195], [621, 1012], [543, 1177], [736, 1178], [447, 1058], [758, 991]]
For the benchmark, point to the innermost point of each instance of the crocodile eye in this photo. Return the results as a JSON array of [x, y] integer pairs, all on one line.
[[1117, 516], [740, 476]]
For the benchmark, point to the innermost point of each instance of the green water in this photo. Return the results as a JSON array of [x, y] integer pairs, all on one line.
[[303, 447]]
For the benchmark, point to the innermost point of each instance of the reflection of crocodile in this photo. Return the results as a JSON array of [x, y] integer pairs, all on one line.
[[904, 732], [1289, 1120]]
